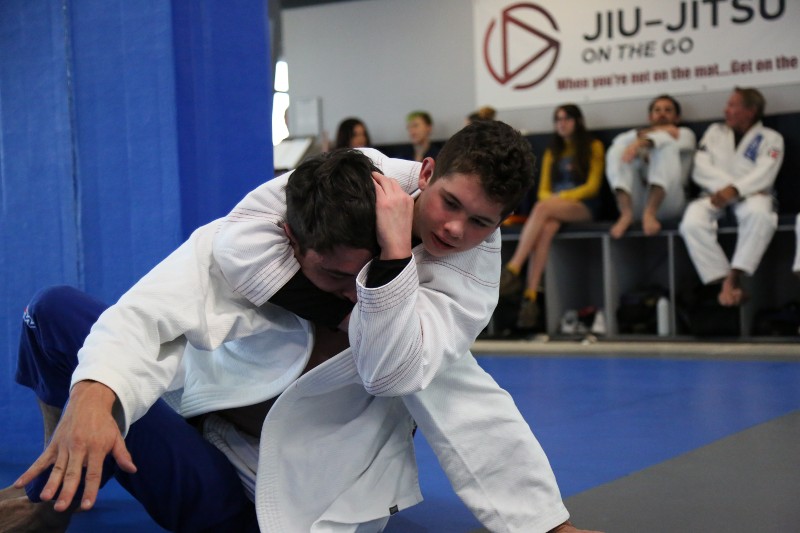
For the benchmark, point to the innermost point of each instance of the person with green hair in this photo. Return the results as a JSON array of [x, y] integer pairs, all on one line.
[[419, 125]]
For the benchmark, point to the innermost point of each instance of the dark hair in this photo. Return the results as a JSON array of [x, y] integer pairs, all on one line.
[[580, 139], [484, 113], [424, 115], [497, 153], [346, 130], [664, 97], [753, 99], [330, 202]]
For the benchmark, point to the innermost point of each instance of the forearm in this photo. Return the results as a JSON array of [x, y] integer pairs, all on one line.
[[402, 332], [707, 176], [761, 180], [594, 176], [385, 335], [545, 177], [93, 393], [136, 346], [761, 177], [687, 141]]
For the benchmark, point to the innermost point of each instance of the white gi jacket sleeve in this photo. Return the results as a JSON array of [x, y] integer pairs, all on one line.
[[137, 344], [686, 140], [623, 139], [403, 332], [251, 248]]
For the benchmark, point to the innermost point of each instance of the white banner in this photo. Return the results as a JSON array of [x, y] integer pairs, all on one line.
[[547, 52]]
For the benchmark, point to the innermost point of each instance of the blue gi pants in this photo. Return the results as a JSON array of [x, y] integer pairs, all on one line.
[[183, 481]]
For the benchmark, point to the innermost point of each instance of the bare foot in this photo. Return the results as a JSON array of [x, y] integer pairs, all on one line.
[[11, 492], [20, 515], [650, 224], [731, 293], [621, 226]]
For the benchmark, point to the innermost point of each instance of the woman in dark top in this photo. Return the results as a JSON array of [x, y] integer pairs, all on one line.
[[352, 133]]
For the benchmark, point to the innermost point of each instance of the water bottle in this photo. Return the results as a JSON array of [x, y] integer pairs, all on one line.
[[662, 316]]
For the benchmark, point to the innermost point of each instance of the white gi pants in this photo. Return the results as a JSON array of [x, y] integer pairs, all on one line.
[[664, 170], [757, 221]]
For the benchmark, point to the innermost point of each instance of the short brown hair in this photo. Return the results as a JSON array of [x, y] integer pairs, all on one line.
[[497, 153], [753, 99], [330, 202]]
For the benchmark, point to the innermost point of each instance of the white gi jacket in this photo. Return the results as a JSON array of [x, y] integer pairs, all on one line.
[[751, 167], [341, 456], [331, 455]]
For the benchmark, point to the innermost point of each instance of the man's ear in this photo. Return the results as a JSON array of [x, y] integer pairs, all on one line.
[[292, 241], [426, 173]]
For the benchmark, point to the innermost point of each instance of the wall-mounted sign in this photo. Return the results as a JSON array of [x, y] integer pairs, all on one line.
[[546, 52]]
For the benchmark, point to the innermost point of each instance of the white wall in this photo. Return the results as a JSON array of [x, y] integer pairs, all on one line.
[[380, 59]]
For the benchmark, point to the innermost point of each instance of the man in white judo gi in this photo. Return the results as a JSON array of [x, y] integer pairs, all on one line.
[[736, 164], [446, 288], [648, 168]]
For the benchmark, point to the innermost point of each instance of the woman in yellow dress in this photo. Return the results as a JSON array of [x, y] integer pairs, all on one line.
[[569, 185]]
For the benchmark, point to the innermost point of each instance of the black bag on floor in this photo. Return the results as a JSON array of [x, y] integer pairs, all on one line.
[[637, 310], [701, 314], [778, 321]]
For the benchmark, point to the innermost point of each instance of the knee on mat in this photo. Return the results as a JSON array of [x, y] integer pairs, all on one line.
[[688, 226], [761, 219], [48, 300]]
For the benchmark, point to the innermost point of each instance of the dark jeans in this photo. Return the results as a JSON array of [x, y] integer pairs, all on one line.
[[184, 482]]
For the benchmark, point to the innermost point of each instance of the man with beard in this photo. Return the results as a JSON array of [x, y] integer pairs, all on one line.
[[647, 169]]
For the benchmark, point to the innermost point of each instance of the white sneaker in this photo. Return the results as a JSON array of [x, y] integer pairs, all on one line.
[[569, 322]]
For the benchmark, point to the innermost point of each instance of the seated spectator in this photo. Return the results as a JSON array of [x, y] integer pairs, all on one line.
[[484, 113], [735, 166], [419, 125], [572, 171], [352, 133], [648, 168]]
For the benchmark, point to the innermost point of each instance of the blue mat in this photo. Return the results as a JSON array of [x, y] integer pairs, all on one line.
[[598, 419]]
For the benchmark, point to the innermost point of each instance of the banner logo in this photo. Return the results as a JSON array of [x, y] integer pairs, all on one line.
[[523, 52]]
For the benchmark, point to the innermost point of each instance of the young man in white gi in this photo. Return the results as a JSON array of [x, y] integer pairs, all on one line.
[[736, 164], [648, 168], [305, 429]]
